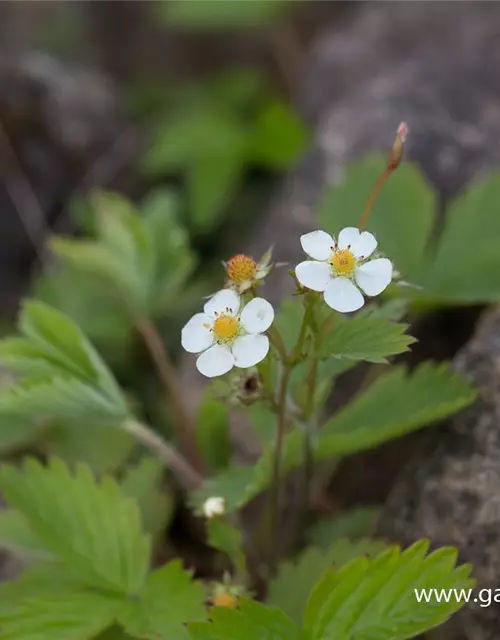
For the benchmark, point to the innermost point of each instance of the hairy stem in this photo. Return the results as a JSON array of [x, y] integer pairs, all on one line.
[[188, 477], [184, 430], [371, 198]]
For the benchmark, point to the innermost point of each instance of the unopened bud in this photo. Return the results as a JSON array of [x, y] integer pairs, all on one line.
[[396, 154]]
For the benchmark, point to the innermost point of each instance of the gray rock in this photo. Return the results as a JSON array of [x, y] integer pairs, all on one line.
[[450, 491]]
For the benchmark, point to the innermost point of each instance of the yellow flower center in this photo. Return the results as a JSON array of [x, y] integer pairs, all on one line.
[[225, 599], [343, 262], [225, 327], [241, 268]]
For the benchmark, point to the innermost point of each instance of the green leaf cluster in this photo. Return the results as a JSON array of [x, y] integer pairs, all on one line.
[[95, 573], [394, 404], [364, 598]]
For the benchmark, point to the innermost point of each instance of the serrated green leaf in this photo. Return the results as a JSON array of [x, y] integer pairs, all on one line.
[[17, 536], [38, 580], [466, 266], [376, 599], [142, 483], [353, 523], [252, 621], [66, 616], [58, 397], [62, 341], [212, 432], [280, 136], [295, 580], [402, 216], [365, 338], [92, 528], [221, 14], [168, 600], [393, 405]]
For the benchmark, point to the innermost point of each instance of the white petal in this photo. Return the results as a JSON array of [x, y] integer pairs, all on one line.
[[257, 316], [348, 237], [249, 350], [196, 336], [365, 245], [217, 361], [314, 275], [342, 295], [226, 298], [374, 276], [317, 244]]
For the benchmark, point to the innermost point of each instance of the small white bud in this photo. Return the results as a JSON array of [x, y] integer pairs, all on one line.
[[214, 506]]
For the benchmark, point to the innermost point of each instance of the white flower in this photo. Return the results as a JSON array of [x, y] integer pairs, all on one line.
[[226, 337], [337, 267], [214, 506]]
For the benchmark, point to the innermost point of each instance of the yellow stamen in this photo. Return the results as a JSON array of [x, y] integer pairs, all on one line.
[[343, 262], [241, 268], [225, 327]]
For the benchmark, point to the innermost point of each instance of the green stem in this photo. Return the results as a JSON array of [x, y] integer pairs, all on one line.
[[278, 451], [188, 477], [183, 426]]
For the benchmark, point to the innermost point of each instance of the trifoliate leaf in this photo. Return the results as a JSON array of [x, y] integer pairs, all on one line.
[[375, 598], [75, 615], [168, 600], [292, 586], [353, 523], [142, 483], [402, 216], [393, 405], [365, 338], [17, 536], [212, 432], [252, 621], [467, 264], [92, 528]]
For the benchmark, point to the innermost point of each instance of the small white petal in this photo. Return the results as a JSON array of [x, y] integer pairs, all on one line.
[[365, 245], [342, 295], [348, 237], [374, 276], [214, 506], [196, 335], [249, 350], [217, 361], [317, 244], [314, 275], [226, 298], [257, 316]]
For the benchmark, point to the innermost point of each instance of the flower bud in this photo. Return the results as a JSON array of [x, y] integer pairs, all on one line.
[[213, 507], [396, 154]]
